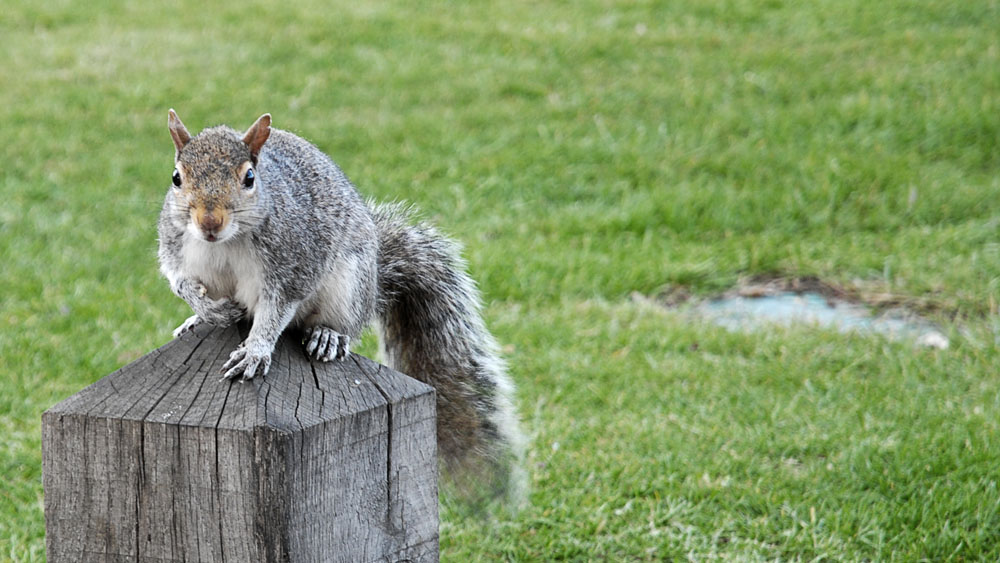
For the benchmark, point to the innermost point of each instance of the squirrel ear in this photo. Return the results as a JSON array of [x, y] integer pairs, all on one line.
[[257, 134], [177, 130]]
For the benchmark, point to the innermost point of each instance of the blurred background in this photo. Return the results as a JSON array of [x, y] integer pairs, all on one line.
[[605, 164]]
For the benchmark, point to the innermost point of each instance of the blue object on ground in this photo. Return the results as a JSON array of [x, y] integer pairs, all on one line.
[[743, 313]]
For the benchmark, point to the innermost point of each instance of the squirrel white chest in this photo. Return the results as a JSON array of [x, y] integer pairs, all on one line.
[[228, 269]]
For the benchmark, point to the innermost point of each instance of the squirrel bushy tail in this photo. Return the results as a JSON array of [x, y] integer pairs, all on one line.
[[431, 329]]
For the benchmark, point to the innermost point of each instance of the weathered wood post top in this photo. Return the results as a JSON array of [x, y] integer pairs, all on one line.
[[161, 461]]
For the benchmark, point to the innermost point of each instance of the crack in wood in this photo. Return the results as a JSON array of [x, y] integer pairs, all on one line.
[[390, 480], [322, 393], [140, 483]]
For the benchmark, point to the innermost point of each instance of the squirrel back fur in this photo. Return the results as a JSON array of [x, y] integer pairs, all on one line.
[[263, 225]]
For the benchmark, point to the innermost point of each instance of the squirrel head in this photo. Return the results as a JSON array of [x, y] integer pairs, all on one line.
[[215, 189]]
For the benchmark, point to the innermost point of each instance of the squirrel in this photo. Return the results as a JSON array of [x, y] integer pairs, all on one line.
[[263, 225]]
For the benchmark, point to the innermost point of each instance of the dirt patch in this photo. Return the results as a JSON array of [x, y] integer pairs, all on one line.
[[806, 302], [858, 293]]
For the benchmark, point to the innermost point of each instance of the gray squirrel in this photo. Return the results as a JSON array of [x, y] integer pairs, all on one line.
[[264, 225]]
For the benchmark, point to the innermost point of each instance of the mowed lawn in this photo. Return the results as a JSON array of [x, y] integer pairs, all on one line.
[[582, 152]]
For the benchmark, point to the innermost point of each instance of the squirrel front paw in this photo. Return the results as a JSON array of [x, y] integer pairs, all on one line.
[[325, 344], [191, 322], [244, 363], [220, 312]]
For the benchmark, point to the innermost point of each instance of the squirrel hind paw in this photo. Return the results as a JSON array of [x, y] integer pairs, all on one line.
[[324, 344]]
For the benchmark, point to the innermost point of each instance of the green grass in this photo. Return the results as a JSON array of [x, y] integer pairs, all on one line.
[[581, 152]]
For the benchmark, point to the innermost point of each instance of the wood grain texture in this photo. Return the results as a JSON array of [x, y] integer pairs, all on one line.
[[161, 461]]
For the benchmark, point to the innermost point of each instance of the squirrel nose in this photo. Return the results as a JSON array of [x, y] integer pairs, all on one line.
[[209, 222]]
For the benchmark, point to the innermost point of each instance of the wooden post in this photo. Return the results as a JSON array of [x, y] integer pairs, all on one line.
[[160, 461]]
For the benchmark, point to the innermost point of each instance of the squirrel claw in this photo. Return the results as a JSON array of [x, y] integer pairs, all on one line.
[[243, 365], [324, 344], [187, 325]]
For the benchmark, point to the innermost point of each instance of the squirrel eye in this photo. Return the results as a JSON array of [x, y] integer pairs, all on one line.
[[177, 178], [248, 179]]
